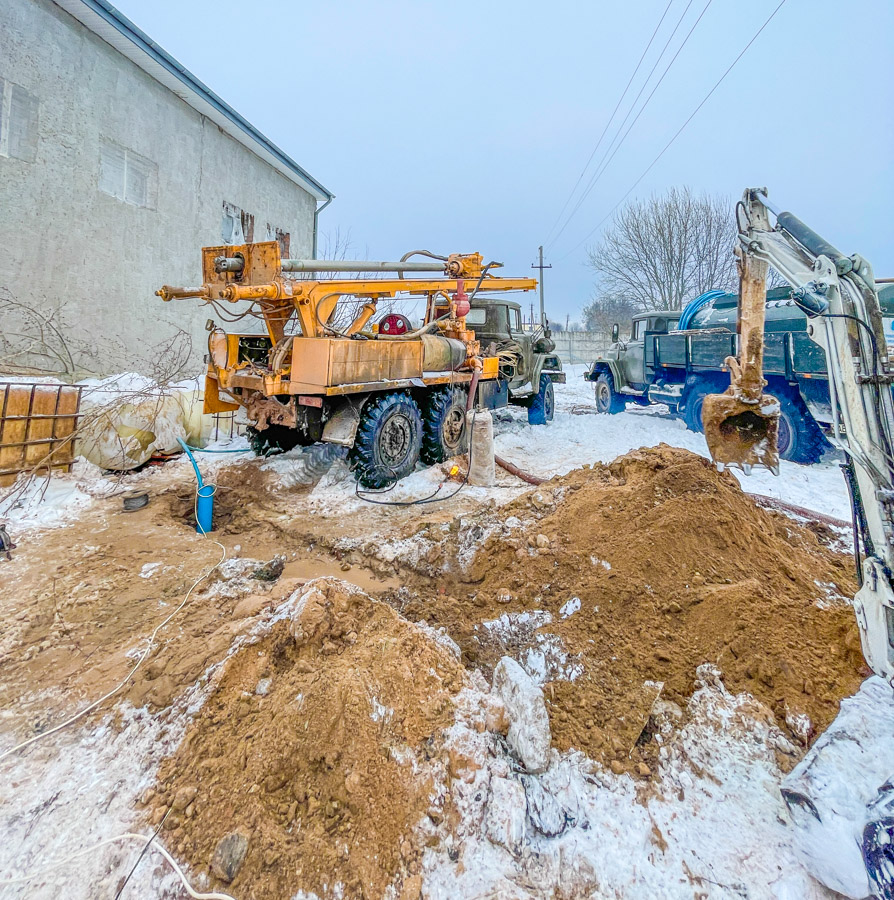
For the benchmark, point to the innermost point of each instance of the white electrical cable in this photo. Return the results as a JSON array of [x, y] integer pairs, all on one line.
[[140, 661], [127, 836]]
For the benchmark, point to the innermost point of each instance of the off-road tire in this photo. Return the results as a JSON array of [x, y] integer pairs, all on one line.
[[543, 403], [444, 433], [318, 459], [272, 440], [608, 400], [388, 440], [800, 439]]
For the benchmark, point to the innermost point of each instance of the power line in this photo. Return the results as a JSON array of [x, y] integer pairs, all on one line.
[[610, 119], [678, 132], [604, 163]]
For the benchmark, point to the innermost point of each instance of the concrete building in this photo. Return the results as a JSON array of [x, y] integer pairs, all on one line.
[[116, 166]]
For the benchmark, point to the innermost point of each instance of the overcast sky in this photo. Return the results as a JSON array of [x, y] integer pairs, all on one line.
[[464, 126]]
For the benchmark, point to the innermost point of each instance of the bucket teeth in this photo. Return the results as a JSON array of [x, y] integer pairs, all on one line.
[[721, 467], [774, 470], [746, 468]]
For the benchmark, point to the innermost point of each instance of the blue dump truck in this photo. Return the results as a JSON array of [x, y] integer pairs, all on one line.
[[677, 359]]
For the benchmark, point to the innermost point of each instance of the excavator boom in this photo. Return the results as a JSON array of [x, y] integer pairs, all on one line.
[[841, 796]]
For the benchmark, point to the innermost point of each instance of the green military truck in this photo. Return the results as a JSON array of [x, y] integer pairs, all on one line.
[[529, 365], [678, 359]]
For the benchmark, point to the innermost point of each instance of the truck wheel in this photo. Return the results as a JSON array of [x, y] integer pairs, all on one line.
[[444, 425], [800, 439], [543, 403], [608, 400], [388, 440], [694, 400]]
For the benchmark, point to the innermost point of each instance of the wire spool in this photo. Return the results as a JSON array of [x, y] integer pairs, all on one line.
[[134, 500]]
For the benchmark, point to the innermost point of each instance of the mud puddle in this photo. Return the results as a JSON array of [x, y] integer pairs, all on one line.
[[322, 567]]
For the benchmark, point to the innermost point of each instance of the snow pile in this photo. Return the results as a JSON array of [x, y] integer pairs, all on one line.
[[126, 418], [831, 789], [714, 824]]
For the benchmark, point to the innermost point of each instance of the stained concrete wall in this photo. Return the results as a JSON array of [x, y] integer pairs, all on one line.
[[65, 243], [580, 346]]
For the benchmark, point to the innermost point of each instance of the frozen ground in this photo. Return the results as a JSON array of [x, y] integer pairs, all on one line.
[[576, 437]]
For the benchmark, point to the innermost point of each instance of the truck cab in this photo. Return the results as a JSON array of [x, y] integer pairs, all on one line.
[[625, 361], [679, 368], [527, 358]]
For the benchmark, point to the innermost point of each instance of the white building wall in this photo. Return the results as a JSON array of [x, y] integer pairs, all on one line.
[[66, 243]]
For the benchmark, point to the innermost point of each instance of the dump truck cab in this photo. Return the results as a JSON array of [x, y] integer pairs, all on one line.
[[529, 365]]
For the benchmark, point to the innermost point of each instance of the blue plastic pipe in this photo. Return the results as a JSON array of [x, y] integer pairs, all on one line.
[[693, 306], [204, 495]]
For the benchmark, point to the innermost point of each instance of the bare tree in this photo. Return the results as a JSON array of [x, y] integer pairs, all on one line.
[[661, 252], [604, 311]]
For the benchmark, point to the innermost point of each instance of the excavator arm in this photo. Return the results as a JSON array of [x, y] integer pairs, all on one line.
[[838, 295], [841, 795]]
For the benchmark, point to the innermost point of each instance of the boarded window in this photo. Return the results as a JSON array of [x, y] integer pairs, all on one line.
[[248, 227], [18, 122], [231, 225], [127, 175]]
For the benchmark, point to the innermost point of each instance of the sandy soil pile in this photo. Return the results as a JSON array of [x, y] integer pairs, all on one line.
[[317, 747], [644, 569]]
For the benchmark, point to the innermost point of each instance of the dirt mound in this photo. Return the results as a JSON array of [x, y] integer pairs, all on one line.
[[627, 576], [317, 746]]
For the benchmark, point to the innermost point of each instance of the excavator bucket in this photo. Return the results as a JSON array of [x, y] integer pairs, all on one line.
[[741, 434]]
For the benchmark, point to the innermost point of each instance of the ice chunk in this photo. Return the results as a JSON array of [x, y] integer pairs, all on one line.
[[529, 735]]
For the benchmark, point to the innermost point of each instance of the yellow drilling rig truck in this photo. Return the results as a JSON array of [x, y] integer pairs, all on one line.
[[320, 370]]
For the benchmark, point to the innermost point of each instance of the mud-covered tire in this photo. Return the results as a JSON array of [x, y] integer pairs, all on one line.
[[388, 440], [800, 439], [318, 459], [543, 403], [272, 440], [444, 425], [694, 399], [608, 400]]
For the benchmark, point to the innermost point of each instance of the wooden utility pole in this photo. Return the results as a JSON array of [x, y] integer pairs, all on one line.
[[541, 267]]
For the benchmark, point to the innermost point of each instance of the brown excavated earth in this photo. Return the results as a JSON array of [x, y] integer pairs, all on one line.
[[317, 750], [698, 573]]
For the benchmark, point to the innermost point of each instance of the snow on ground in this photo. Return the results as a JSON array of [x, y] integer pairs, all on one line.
[[84, 794], [37, 502], [715, 825], [576, 437]]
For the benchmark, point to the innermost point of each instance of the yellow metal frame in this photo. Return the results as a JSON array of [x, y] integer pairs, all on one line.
[[342, 368]]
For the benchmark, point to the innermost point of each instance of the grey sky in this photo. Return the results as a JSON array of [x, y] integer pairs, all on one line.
[[463, 126]]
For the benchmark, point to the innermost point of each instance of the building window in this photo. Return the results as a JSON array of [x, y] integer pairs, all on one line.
[[127, 175], [282, 237], [18, 122]]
